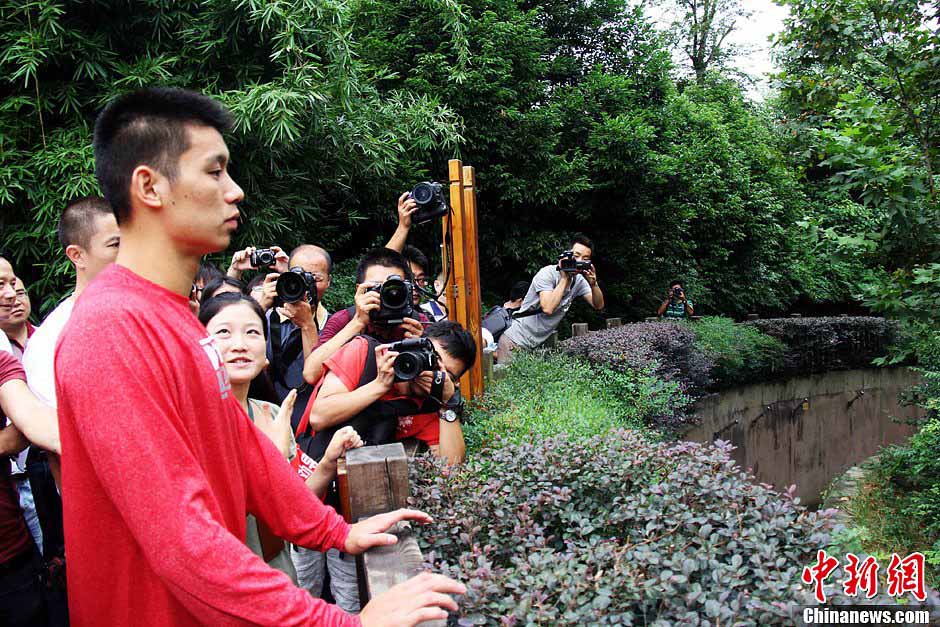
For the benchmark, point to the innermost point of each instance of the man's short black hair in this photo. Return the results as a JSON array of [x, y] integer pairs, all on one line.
[[385, 257], [210, 288], [584, 240], [456, 340], [676, 282], [207, 273], [519, 290], [77, 222], [414, 255], [148, 127]]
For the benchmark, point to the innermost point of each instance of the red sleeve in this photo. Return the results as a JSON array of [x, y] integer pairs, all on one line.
[[296, 514], [333, 326], [10, 368], [347, 363], [218, 579]]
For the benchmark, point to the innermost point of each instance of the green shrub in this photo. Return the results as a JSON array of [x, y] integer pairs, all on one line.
[[898, 507], [614, 530], [825, 344], [740, 353], [544, 395]]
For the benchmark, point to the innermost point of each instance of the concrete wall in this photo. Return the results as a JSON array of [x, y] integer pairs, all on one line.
[[807, 431]]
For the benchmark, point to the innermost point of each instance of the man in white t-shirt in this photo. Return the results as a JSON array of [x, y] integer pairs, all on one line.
[[553, 289], [90, 236]]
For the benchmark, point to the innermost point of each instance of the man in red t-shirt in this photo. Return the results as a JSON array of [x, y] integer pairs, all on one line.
[[162, 462]]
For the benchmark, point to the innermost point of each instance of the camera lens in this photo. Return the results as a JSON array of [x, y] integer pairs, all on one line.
[[422, 193], [265, 258], [290, 287], [394, 294], [407, 366]]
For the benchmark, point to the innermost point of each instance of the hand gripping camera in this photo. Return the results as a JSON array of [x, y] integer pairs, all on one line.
[[291, 286], [567, 263], [395, 301], [430, 200], [263, 259], [415, 355]]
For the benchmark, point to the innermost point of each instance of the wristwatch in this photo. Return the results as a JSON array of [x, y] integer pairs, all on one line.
[[448, 415]]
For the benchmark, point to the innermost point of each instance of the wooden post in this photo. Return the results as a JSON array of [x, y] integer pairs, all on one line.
[[579, 328], [613, 323], [376, 479], [552, 340], [473, 292], [652, 318], [752, 316], [461, 257]]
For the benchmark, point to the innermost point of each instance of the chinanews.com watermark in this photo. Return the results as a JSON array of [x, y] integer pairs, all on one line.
[[867, 615], [904, 578]]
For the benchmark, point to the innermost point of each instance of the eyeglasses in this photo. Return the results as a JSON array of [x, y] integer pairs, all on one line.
[[421, 280]]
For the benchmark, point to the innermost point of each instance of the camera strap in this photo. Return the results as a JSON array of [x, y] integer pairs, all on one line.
[[525, 314], [433, 402]]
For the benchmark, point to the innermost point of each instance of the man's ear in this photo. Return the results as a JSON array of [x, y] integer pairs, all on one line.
[[76, 255], [145, 187]]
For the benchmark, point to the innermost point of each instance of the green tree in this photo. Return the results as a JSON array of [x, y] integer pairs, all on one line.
[[317, 145]]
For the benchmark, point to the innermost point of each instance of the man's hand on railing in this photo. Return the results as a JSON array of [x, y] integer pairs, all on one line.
[[419, 599], [371, 532]]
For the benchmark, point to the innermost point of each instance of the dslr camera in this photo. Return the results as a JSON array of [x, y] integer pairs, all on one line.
[[292, 285], [395, 301], [262, 259], [430, 200], [415, 355], [677, 292], [567, 263]]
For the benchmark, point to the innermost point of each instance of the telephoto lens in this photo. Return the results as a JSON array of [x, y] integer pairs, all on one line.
[[291, 286]]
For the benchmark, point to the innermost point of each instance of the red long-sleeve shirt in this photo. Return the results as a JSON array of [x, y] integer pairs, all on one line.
[[160, 465]]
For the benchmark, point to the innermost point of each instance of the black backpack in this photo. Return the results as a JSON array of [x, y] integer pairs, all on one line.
[[498, 319]]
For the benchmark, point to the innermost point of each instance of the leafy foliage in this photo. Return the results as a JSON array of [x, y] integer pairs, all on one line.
[[716, 353], [312, 128], [544, 396], [615, 529], [740, 353]]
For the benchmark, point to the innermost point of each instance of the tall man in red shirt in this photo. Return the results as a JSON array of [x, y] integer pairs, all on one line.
[[162, 462]]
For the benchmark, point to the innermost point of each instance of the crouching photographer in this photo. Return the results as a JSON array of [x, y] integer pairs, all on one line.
[[389, 392], [386, 392], [549, 297]]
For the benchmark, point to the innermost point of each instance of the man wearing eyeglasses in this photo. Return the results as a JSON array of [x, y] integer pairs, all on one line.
[[17, 326]]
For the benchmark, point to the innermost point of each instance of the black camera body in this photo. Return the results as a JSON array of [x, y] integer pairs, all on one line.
[[263, 259], [415, 355], [430, 200], [395, 301], [292, 285], [677, 292], [567, 263]]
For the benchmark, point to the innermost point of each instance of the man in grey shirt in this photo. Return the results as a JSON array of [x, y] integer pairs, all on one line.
[[553, 290]]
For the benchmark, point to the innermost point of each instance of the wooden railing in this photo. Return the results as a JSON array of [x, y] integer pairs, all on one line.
[[374, 480]]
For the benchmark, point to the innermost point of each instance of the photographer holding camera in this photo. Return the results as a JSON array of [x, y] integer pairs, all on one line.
[[291, 291], [550, 295], [677, 305]]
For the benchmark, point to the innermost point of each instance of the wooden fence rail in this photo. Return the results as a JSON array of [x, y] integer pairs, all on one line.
[[374, 480]]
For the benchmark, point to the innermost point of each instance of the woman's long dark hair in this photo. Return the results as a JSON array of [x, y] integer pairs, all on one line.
[[261, 387]]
